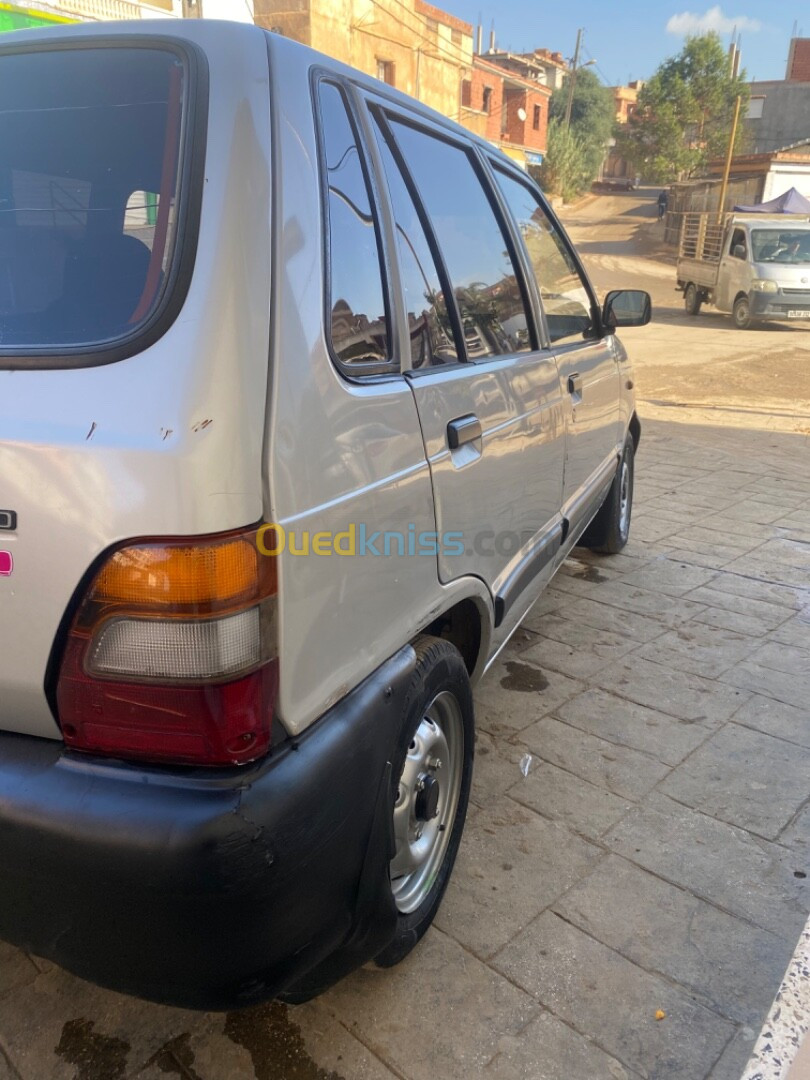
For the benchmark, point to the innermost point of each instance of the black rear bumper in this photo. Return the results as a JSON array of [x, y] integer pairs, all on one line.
[[208, 890]]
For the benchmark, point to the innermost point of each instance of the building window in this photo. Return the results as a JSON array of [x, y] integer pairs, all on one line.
[[486, 104], [386, 72], [755, 106], [432, 28], [536, 118], [455, 37], [466, 93]]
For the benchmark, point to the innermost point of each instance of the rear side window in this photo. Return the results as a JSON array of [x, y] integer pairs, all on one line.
[[474, 247], [429, 327], [359, 320], [566, 299], [90, 155]]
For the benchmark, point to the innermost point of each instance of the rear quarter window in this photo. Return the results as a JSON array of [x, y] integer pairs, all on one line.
[[91, 199]]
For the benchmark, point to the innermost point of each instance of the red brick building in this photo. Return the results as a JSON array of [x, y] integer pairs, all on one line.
[[798, 66], [510, 111]]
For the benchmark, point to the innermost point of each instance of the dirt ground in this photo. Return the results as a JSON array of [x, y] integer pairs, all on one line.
[[762, 375]]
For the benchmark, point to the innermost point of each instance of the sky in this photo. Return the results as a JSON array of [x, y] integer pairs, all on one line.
[[629, 38]]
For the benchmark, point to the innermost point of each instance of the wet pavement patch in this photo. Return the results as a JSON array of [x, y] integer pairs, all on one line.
[[96, 1057], [176, 1058], [274, 1043], [523, 677]]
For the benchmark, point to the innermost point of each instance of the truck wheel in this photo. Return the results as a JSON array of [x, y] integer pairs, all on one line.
[[434, 764], [691, 299], [742, 313], [610, 529]]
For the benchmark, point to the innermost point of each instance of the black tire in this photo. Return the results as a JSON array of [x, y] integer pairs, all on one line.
[[439, 671], [692, 299], [742, 313], [610, 529]]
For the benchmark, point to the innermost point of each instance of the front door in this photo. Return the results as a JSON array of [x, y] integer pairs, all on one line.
[[588, 369], [488, 397], [734, 276]]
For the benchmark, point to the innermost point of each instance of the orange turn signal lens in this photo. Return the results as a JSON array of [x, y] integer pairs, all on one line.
[[211, 573]]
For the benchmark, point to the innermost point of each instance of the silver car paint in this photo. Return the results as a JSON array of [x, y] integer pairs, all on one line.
[[168, 442], [94, 456]]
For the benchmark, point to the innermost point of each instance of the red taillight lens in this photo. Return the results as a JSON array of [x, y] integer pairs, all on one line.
[[171, 654]]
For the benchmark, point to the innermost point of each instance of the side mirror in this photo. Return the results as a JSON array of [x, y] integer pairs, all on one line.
[[626, 307], [738, 251]]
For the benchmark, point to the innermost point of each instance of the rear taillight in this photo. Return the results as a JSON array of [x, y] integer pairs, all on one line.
[[171, 656]]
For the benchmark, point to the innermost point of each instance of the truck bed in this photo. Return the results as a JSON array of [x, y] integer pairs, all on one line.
[[700, 271]]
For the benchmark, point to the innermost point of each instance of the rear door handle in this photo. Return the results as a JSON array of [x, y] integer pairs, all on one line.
[[575, 385], [464, 429]]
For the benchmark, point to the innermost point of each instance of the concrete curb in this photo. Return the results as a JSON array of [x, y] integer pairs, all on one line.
[[780, 1042]]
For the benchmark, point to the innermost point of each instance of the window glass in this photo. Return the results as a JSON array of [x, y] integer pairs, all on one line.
[[428, 322], [566, 300], [781, 245], [84, 134], [738, 241], [359, 328], [474, 248]]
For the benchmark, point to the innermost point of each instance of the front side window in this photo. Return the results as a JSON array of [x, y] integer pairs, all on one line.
[[90, 160], [359, 322], [473, 244], [566, 299], [738, 246]]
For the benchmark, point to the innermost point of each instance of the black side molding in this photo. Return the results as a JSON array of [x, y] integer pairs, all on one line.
[[528, 569]]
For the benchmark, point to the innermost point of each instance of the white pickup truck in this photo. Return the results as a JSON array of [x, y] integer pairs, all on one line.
[[756, 266]]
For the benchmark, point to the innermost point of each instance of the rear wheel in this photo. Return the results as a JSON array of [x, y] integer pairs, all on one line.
[[691, 299], [434, 765], [742, 313], [610, 529]]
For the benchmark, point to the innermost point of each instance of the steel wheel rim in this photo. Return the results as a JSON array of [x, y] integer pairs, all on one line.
[[435, 756], [624, 499], [742, 312]]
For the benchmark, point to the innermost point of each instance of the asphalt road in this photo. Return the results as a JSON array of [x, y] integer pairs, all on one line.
[[759, 378]]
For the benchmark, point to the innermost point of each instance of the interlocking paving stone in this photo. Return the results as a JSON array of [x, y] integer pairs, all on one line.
[[664, 608], [744, 777], [560, 796], [516, 693], [797, 837], [699, 649], [794, 632], [575, 649], [670, 578], [443, 1015], [512, 865], [789, 659], [729, 965], [768, 615], [497, 766], [742, 874], [789, 722], [550, 1050], [581, 981], [792, 689], [681, 694], [635, 726], [725, 619], [764, 591], [615, 620], [618, 769]]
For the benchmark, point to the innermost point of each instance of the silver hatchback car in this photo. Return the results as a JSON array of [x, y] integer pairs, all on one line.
[[304, 397]]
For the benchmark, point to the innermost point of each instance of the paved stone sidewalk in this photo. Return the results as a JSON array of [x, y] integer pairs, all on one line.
[[654, 856]]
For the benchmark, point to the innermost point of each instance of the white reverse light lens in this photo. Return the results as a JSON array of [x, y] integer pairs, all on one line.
[[176, 649]]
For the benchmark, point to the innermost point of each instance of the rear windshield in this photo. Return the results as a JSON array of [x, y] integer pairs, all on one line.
[[89, 165]]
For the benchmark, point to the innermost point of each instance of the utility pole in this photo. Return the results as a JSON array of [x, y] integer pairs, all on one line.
[[729, 156], [572, 78]]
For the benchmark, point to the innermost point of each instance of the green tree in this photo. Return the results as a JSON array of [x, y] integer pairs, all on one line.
[[684, 113], [564, 169]]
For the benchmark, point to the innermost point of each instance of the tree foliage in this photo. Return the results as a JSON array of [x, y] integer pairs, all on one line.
[[573, 155], [684, 113]]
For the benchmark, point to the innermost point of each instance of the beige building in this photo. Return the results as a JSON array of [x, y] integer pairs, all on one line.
[[409, 44], [33, 13]]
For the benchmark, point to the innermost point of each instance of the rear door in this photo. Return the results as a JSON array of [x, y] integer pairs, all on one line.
[[487, 394], [588, 367]]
